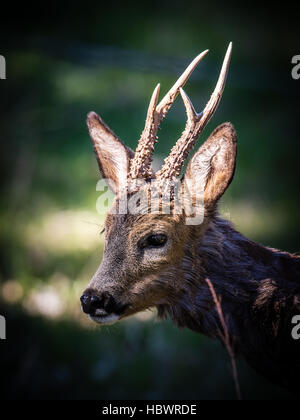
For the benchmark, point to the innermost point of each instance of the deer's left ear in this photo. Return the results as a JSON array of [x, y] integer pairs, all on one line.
[[112, 155], [213, 164]]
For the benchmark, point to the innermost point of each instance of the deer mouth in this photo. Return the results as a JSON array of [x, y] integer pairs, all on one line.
[[102, 310], [107, 319]]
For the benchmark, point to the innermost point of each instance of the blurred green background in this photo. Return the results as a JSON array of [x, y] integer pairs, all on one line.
[[68, 59]]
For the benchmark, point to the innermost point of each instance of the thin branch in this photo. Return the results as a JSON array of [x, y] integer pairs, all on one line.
[[225, 338]]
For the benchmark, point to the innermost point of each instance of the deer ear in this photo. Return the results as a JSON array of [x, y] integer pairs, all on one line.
[[213, 164], [112, 155]]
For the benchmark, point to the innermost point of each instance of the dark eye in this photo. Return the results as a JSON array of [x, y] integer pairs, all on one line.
[[158, 239]]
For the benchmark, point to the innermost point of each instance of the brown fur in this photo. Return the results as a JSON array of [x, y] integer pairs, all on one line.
[[259, 287]]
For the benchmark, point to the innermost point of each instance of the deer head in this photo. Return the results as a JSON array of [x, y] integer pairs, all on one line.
[[149, 257]]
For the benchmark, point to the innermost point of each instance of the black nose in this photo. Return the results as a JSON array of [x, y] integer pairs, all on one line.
[[104, 304], [90, 303]]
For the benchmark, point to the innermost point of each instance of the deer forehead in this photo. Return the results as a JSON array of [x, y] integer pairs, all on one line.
[[137, 226]]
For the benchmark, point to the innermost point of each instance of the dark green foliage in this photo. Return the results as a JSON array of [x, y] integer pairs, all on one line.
[[109, 60]]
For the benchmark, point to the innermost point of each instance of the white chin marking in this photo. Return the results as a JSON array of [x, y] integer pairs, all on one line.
[[105, 319]]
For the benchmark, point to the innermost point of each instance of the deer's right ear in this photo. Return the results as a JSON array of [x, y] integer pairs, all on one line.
[[213, 164], [112, 155]]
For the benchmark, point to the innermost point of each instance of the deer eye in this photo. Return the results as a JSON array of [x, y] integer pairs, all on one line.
[[156, 240]]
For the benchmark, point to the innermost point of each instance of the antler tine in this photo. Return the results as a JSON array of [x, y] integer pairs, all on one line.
[[167, 101], [195, 124], [141, 163]]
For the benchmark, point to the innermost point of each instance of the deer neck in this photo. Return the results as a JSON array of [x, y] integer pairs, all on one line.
[[240, 271], [249, 281]]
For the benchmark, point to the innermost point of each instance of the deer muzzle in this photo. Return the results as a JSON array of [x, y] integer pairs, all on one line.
[[102, 308]]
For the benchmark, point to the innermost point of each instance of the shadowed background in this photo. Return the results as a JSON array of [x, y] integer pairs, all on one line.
[[64, 61]]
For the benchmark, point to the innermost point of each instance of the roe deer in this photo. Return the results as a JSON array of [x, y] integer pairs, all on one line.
[[156, 259]]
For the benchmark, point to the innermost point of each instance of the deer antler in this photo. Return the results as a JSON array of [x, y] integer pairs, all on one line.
[[141, 163], [195, 124]]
